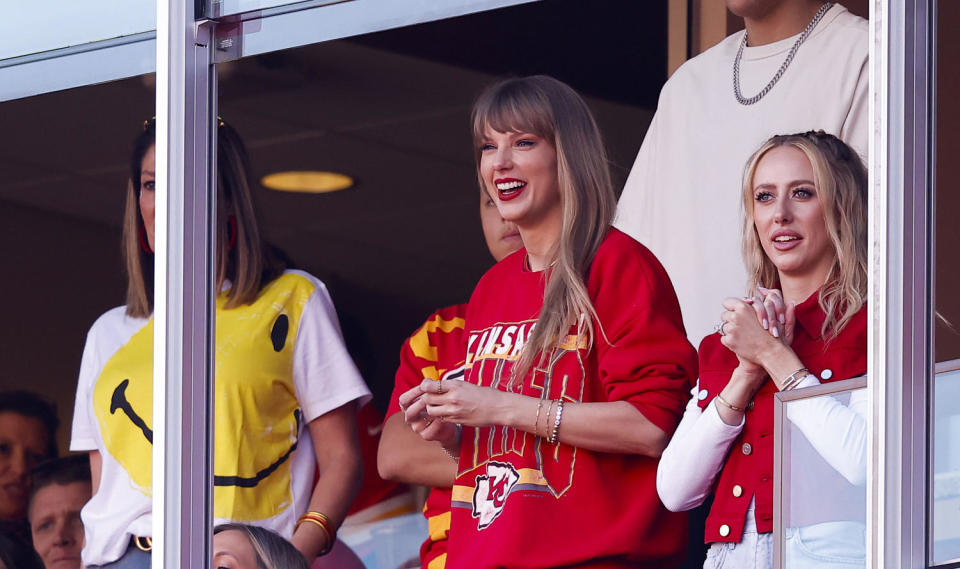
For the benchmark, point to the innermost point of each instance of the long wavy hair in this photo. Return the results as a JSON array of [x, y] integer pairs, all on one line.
[[241, 255], [841, 181], [553, 111]]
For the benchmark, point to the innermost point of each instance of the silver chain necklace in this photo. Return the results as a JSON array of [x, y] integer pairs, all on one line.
[[786, 63]]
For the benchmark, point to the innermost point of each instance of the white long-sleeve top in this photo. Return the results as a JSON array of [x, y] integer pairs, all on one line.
[[695, 455]]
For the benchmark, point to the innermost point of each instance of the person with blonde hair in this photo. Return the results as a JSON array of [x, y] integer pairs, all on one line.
[[803, 322], [285, 389], [576, 365], [241, 546], [796, 65]]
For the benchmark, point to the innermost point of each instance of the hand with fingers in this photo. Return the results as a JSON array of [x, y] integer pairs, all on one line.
[[779, 316], [742, 330], [465, 403], [415, 415]]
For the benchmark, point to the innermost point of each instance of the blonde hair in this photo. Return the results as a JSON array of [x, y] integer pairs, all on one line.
[[272, 551], [841, 182], [241, 256], [550, 109]]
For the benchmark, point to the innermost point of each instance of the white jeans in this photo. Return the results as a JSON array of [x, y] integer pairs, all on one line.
[[755, 550], [830, 545]]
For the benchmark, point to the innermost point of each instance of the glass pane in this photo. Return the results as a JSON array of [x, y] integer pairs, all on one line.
[[824, 481], [220, 8], [64, 162], [387, 109], [947, 148], [35, 27], [946, 466], [945, 483], [312, 22]]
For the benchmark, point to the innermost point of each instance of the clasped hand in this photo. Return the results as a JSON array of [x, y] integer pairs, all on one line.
[[434, 408], [751, 326]]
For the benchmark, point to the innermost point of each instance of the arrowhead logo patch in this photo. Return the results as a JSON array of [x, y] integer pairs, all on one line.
[[491, 492]]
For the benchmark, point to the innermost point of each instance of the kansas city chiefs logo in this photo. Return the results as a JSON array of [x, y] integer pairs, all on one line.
[[491, 492]]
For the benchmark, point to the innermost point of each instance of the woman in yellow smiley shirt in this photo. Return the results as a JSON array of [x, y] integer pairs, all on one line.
[[283, 377]]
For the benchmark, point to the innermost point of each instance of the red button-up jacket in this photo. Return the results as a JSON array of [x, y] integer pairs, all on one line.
[[748, 470]]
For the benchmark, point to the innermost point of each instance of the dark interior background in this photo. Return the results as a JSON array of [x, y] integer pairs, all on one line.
[[389, 109]]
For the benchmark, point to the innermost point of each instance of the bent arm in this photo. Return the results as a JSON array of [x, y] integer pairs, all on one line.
[[615, 426], [405, 456], [334, 438], [694, 457]]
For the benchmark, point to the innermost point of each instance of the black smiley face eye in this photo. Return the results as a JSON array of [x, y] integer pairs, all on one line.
[[279, 333]]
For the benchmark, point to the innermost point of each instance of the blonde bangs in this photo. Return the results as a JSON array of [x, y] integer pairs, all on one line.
[[553, 111]]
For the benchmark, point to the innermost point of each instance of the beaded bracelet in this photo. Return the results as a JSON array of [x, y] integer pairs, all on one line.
[[556, 422]]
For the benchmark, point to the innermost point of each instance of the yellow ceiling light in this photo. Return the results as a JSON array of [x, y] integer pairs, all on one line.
[[309, 182]]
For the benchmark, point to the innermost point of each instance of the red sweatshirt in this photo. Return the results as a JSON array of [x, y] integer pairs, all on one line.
[[521, 502]]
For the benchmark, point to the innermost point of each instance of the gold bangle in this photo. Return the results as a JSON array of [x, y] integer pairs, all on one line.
[[729, 405], [323, 522], [536, 422], [318, 523], [546, 429], [794, 378]]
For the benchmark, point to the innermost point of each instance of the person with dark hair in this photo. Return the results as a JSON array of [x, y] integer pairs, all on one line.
[[241, 546], [15, 554], [804, 322], [28, 428], [60, 489], [286, 391], [577, 365]]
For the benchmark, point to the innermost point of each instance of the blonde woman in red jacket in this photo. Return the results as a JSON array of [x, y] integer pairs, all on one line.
[[805, 242]]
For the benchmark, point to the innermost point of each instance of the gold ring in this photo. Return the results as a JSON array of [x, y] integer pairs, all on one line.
[[143, 543]]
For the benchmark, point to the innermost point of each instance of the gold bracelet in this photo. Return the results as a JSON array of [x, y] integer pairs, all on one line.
[[320, 525], [321, 521], [546, 429], [794, 378], [729, 405], [536, 422]]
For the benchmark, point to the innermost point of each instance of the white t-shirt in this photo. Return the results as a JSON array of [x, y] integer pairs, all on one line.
[[682, 198], [280, 363]]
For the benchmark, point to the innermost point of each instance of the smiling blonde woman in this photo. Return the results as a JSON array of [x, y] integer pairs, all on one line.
[[577, 362]]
